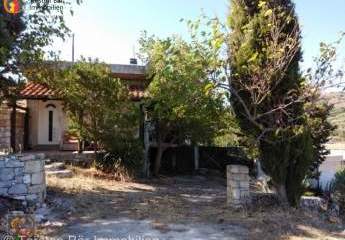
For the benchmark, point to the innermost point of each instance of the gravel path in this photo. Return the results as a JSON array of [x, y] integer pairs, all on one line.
[[123, 228], [186, 207], [177, 208]]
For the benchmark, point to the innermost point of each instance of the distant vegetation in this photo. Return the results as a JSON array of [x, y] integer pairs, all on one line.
[[338, 115]]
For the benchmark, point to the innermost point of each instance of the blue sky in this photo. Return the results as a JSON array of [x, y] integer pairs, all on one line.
[[109, 29]]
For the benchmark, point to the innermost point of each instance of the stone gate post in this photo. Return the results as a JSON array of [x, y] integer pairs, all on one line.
[[237, 185]]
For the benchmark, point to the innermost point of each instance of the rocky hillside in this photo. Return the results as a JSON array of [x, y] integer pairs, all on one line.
[[338, 114]]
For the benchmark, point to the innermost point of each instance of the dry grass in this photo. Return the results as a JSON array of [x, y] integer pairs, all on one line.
[[175, 200], [91, 179]]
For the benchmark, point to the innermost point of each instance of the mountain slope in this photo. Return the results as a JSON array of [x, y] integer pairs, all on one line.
[[338, 114]]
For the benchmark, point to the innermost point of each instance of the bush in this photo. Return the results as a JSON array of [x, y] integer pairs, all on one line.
[[339, 189], [122, 157]]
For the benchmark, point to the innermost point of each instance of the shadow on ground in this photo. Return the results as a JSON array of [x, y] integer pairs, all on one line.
[[190, 207]]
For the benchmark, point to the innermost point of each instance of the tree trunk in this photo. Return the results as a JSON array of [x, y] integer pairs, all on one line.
[[158, 160], [80, 141], [282, 194]]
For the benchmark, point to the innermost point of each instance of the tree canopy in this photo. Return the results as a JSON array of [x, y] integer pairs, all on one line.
[[183, 102], [270, 95], [97, 103], [25, 36]]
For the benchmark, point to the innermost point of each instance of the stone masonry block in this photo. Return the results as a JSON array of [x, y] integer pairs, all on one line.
[[35, 189], [236, 193], [6, 184], [14, 163], [19, 171], [232, 169], [18, 189], [3, 191], [27, 178], [6, 174], [234, 183], [23, 177], [37, 178], [26, 157], [237, 185], [238, 169], [32, 167], [244, 184], [244, 169], [31, 197], [19, 179]]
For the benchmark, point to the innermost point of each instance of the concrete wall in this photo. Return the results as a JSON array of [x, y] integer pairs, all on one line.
[[22, 177], [328, 169]]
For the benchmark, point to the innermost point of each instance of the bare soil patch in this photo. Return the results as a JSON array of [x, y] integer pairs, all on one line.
[[166, 204]]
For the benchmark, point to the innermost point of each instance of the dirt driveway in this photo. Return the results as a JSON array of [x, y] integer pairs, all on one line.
[[190, 207]]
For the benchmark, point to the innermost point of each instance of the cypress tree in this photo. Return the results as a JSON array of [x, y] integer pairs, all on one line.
[[266, 85]]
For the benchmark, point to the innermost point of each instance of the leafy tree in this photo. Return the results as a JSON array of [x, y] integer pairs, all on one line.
[[100, 109], [327, 73], [318, 111], [98, 104], [267, 90], [183, 102], [24, 37]]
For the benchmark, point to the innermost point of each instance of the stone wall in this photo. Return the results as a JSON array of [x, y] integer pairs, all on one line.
[[22, 177], [237, 185], [5, 128]]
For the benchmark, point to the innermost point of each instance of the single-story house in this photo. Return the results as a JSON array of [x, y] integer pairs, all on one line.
[[40, 122]]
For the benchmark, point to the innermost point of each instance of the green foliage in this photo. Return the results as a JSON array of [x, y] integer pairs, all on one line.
[[24, 38], [124, 157], [337, 116], [183, 99], [98, 104], [99, 108], [287, 156], [326, 74], [318, 113], [265, 75], [339, 189], [184, 104]]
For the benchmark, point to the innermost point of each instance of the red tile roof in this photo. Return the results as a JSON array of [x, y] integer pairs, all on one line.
[[41, 91], [37, 91], [122, 71]]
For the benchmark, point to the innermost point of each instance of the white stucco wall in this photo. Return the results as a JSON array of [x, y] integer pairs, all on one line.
[[329, 167], [39, 120]]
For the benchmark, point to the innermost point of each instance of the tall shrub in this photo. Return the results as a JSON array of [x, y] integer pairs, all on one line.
[[266, 89], [339, 189]]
